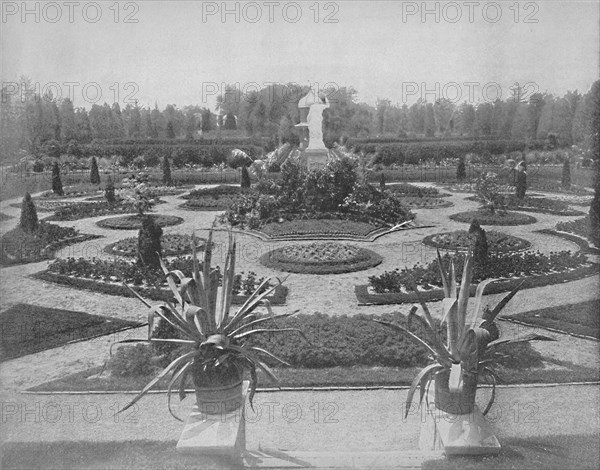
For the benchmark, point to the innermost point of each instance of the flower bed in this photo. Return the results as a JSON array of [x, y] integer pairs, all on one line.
[[536, 204], [172, 245], [583, 244], [498, 242], [82, 210], [208, 203], [365, 296], [134, 221], [413, 202], [108, 276], [19, 247], [406, 189], [318, 228], [485, 217], [321, 258], [580, 227], [498, 266]]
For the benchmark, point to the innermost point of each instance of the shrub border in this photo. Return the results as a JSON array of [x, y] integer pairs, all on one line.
[[455, 217], [428, 241], [502, 285], [278, 297], [103, 222], [373, 259]]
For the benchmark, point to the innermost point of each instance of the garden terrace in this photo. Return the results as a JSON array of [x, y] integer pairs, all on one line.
[[498, 242], [486, 217], [108, 276], [19, 246], [321, 258], [134, 221], [172, 244]]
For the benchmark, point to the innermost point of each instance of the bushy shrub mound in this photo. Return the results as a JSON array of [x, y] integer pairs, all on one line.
[[172, 245], [134, 221], [314, 194], [20, 246], [499, 265], [498, 242], [486, 217], [321, 258]]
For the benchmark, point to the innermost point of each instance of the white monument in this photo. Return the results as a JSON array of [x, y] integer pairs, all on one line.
[[315, 153]]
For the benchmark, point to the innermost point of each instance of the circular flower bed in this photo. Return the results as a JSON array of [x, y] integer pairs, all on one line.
[[321, 258], [172, 245], [488, 218], [134, 221], [498, 242]]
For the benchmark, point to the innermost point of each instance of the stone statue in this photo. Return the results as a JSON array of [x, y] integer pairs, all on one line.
[[315, 124]]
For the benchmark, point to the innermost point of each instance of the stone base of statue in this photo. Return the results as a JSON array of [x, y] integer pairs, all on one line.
[[468, 434], [215, 434], [314, 158]]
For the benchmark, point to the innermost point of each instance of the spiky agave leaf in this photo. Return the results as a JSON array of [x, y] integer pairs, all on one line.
[[464, 293], [176, 376], [421, 379], [471, 319]]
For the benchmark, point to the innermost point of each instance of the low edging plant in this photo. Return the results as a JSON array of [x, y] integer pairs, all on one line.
[[321, 258], [535, 269]]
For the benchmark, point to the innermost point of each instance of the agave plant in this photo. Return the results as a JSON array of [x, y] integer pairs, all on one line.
[[472, 339], [216, 339]]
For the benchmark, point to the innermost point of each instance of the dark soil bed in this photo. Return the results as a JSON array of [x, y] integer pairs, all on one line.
[[487, 218], [134, 221], [321, 258], [27, 329]]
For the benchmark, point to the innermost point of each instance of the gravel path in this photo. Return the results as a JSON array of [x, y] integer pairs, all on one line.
[[331, 294]]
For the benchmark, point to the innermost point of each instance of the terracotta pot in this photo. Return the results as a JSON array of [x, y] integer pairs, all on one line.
[[456, 403], [218, 390]]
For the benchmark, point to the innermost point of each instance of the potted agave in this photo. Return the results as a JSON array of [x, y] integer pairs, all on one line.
[[217, 351], [471, 345]]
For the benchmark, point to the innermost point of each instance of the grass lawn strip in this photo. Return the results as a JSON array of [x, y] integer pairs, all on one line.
[[364, 297], [580, 319], [112, 288], [28, 329]]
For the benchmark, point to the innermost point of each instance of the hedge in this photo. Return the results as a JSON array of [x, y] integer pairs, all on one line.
[[416, 152], [278, 297], [505, 285]]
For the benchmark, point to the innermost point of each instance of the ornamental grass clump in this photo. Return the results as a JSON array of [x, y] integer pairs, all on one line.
[[470, 348], [216, 340]]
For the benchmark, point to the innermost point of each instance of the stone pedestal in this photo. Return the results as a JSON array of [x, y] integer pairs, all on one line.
[[220, 434], [468, 434]]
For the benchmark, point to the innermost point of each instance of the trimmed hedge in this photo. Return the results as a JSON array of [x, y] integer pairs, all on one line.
[[485, 217], [364, 259], [505, 285], [278, 298]]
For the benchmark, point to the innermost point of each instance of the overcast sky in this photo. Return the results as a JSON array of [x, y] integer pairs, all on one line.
[[177, 49]]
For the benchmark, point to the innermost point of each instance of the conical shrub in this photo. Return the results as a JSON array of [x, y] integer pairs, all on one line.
[[29, 219]]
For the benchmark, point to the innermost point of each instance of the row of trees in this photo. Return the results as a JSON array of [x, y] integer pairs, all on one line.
[[273, 111]]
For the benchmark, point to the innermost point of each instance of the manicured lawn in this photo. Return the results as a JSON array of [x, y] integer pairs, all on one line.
[[581, 318], [308, 227], [26, 329]]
